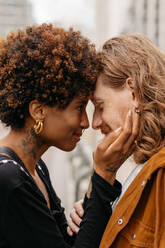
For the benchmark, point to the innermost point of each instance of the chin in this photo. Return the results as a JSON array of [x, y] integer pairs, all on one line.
[[68, 148]]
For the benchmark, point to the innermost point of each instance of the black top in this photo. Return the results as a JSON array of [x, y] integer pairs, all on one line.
[[26, 221]]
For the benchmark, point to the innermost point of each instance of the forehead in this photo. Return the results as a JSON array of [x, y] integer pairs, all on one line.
[[102, 89], [79, 99]]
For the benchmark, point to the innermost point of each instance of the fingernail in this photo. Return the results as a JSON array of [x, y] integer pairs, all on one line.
[[117, 130]]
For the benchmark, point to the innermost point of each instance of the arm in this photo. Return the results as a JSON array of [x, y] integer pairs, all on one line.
[[97, 212]]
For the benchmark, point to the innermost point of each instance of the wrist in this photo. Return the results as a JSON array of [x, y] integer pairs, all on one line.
[[109, 176]]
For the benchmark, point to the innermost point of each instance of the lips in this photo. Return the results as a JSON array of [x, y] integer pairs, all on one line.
[[77, 136]]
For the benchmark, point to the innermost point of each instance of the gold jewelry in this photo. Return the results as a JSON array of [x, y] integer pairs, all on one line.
[[38, 127], [137, 111]]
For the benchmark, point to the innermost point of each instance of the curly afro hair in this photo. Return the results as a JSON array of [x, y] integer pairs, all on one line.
[[44, 63]]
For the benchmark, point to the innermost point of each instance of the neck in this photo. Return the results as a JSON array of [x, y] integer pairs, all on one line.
[[27, 145]]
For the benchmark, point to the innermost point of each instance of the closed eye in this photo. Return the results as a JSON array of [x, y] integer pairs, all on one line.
[[99, 107], [80, 108]]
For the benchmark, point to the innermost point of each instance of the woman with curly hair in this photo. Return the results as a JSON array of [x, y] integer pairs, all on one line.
[[133, 77], [47, 75]]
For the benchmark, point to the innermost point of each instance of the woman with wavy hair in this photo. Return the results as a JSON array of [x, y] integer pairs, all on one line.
[[133, 77]]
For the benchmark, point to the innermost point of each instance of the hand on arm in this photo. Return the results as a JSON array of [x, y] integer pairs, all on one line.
[[75, 218]]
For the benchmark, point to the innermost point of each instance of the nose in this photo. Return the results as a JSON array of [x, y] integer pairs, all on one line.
[[97, 121], [84, 120]]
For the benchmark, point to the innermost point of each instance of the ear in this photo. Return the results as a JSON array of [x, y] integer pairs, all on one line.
[[37, 110], [131, 86]]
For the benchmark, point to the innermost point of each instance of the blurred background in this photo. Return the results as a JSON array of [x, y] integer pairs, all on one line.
[[98, 20]]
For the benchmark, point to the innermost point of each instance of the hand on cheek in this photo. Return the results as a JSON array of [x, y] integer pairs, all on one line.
[[116, 148]]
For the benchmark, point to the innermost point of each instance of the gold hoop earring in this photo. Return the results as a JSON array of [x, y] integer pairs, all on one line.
[[38, 127], [137, 111]]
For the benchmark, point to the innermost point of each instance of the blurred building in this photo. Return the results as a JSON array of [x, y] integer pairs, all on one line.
[[14, 14], [148, 17]]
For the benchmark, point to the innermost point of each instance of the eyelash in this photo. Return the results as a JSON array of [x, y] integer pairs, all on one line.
[[80, 108], [99, 107]]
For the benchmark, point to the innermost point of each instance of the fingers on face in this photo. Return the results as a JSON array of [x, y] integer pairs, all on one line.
[[128, 135], [108, 140], [130, 144], [123, 140], [136, 124]]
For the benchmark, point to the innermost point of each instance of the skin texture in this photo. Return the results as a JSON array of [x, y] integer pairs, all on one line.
[[64, 126], [112, 105], [28, 141]]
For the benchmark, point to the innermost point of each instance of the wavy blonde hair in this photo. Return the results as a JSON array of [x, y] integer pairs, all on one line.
[[137, 57]]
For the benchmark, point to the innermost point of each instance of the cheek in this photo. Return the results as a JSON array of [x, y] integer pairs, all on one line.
[[115, 116], [110, 117], [123, 114], [122, 117]]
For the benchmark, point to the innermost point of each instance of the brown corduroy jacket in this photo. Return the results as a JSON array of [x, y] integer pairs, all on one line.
[[139, 218]]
